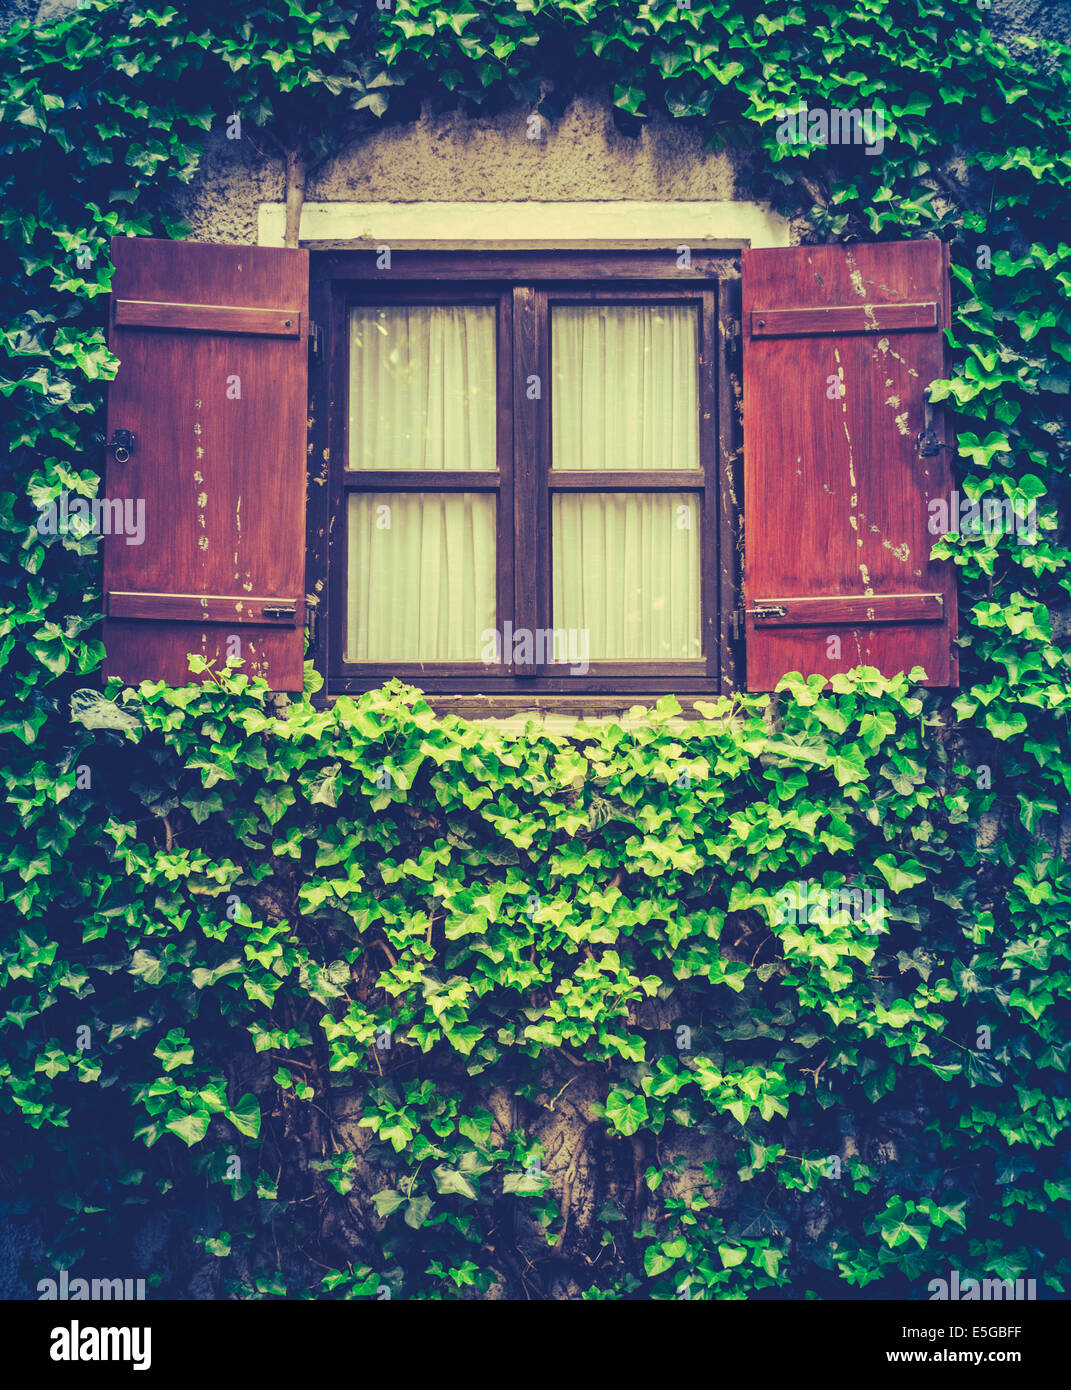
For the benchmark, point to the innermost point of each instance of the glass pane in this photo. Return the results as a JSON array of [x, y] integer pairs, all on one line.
[[421, 580], [626, 570], [625, 386], [422, 387]]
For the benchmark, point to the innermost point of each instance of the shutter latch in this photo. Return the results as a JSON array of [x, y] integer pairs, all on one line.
[[763, 611], [272, 610], [122, 441]]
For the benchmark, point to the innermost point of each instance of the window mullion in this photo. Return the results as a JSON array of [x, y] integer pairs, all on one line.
[[531, 440]]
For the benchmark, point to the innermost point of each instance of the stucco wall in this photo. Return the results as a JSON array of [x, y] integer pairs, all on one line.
[[449, 158]]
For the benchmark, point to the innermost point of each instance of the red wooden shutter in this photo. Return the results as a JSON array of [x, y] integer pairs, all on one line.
[[840, 343], [213, 386]]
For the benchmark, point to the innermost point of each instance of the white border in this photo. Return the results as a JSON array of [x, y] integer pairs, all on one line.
[[523, 226]]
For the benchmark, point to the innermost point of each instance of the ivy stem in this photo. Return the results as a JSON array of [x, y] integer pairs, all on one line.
[[295, 194]]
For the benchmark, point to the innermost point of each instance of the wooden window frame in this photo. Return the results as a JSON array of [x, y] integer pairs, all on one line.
[[524, 286]]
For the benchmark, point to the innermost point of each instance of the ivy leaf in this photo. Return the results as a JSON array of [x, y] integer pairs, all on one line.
[[848, 766], [626, 1111], [245, 1116], [417, 1211], [202, 978], [191, 1129], [30, 116], [387, 1202], [175, 1050], [655, 1262], [875, 727], [275, 801], [769, 1260], [982, 1070], [628, 99], [147, 967], [322, 790], [980, 451], [449, 1180], [522, 1184], [900, 877], [477, 1126], [91, 709], [900, 1222], [1005, 723], [376, 102]]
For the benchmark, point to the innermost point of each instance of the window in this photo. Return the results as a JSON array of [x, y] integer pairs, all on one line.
[[516, 480], [526, 491]]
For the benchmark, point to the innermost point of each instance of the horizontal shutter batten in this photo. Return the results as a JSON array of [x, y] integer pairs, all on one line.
[[208, 318], [204, 608], [849, 608], [843, 318]]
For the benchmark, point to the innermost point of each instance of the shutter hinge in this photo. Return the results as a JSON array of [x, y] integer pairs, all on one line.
[[312, 621], [316, 341], [927, 442], [735, 340]]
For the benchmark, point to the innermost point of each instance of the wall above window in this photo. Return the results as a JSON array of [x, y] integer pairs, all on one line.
[[562, 225]]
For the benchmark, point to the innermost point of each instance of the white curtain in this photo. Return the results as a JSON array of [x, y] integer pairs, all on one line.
[[625, 566], [422, 387], [421, 575], [626, 569], [625, 383], [421, 565], [626, 396]]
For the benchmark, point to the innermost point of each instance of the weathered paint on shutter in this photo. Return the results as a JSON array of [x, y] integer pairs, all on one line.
[[213, 384], [840, 343]]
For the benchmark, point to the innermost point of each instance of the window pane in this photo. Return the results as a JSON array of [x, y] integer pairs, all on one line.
[[626, 569], [625, 386], [422, 387], [421, 581]]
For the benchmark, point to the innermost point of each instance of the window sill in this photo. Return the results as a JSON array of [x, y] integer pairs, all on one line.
[[554, 714]]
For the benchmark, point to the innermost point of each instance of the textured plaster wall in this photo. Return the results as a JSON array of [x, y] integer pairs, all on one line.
[[449, 158]]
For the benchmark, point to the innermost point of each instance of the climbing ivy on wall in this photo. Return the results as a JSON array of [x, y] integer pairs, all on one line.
[[306, 989]]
